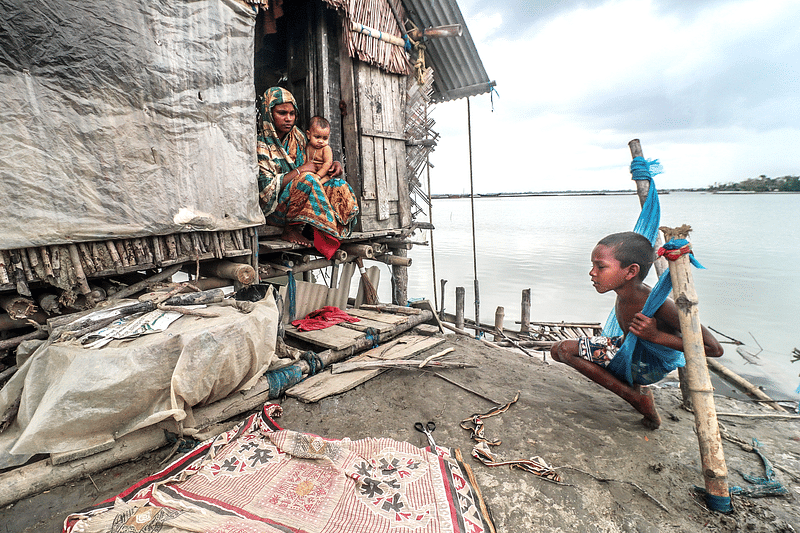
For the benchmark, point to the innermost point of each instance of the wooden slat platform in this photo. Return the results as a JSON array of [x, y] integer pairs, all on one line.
[[326, 383]]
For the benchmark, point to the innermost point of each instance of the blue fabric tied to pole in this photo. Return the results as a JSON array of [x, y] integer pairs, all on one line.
[[640, 361]]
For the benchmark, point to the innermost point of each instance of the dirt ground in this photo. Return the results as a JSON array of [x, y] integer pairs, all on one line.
[[617, 474]]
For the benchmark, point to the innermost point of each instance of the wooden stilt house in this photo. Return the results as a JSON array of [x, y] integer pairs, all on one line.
[[129, 136]]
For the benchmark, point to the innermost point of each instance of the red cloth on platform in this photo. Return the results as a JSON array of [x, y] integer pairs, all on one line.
[[326, 244], [323, 318]]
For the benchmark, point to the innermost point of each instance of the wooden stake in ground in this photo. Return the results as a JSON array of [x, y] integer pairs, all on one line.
[[715, 472]]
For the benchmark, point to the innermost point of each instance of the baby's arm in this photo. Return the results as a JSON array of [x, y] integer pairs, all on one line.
[[327, 161]]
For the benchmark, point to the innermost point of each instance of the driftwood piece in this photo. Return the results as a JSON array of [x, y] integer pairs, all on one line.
[[158, 251], [77, 268], [46, 264], [26, 266], [86, 256], [122, 253], [17, 274], [4, 268], [7, 344], [130, 252], [114, 255], [97, 257], [138, 251], [130, 290], [172, 247]]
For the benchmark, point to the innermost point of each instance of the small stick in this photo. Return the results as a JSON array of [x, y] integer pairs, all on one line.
[[607, 479], [459, 385], [434, 356], [734, 341]]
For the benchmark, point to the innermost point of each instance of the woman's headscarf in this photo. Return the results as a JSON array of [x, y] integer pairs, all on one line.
[[275, 156]]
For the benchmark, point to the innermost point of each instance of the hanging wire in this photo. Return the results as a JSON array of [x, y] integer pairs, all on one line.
[[430, 215], [478, 332]]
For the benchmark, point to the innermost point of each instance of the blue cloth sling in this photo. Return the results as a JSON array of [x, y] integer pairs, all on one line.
[[640, 361]]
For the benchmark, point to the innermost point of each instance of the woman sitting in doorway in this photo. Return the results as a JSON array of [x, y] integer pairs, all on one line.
[[290, 194]]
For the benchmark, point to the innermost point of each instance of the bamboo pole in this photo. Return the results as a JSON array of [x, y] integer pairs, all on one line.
[[750, 389], [360, 250], [715, 471], [241, 272], [394, 260]]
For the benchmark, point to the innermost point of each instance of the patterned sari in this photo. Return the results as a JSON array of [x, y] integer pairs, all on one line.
[[330, 208]]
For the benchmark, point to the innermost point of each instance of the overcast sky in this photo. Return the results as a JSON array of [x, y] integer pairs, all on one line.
[[712, 89]]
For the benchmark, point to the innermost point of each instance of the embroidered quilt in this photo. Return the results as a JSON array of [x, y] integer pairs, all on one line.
[[260, 478]]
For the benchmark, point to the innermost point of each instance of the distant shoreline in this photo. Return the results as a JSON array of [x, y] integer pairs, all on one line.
[[590, 193]]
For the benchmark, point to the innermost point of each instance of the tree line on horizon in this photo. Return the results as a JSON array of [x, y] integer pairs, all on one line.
[[761, 184]]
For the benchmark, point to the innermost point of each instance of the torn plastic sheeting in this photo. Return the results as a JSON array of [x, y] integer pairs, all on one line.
[[72, 398], [118, 116]]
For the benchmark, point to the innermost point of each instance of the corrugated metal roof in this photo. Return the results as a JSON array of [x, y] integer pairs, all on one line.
[[458, 69]]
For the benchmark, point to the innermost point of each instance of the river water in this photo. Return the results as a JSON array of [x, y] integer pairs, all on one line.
[[747, 242]]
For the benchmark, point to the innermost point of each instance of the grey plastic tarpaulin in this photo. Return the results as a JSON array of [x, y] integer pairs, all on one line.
[[125, 119], [72, 398]]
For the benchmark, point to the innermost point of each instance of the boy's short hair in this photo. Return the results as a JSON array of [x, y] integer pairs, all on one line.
[[630, 247], [321, 123]]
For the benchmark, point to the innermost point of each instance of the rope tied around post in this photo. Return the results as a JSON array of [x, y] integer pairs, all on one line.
[[674, 249], [373, 335], [281, 379], [315, 364]]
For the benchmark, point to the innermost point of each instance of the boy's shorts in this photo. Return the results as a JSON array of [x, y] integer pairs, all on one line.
[[599, 350]]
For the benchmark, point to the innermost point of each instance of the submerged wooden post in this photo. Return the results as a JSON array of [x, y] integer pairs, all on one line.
[[460, 292], [715, 472], [499, 316], [525, 314], [441, 309]]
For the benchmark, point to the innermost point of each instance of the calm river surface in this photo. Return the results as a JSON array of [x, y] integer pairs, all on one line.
[[747, 242]]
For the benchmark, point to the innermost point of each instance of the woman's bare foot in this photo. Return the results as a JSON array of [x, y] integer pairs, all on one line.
[[293, 233], [646, 405]]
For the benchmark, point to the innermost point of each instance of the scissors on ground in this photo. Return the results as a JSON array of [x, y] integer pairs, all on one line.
[[428, 430]]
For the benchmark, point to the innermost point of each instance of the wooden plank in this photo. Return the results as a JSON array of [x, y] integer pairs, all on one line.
[[365, 323], [334, 337], [382, 194], [327, 384], [350, 122], [382, 120], [363, 80], [388, 318]]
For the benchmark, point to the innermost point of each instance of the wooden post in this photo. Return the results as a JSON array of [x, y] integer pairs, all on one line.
[[460, 291], [525, 314], [499, 316], [702, 393], [399, 261], [441, 309]]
